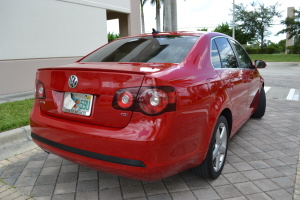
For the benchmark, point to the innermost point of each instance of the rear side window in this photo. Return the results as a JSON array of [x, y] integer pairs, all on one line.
[[215, 57], [243, 57], [154, 49], [227, 56]]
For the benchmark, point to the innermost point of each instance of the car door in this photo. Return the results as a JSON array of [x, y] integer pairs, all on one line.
[[227, 66], [251, 75]]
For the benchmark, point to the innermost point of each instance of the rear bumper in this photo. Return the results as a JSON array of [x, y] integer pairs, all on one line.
[[146, 149]]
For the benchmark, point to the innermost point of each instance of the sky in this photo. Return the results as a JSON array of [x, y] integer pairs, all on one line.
[[198, 14]]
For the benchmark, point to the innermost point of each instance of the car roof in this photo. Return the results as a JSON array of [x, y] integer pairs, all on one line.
[[183, 33]]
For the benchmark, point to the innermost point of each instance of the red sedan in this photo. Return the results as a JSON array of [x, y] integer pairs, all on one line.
[[149, 106]]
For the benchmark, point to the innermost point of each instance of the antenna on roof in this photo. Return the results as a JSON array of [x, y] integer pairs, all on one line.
[[154, 31]]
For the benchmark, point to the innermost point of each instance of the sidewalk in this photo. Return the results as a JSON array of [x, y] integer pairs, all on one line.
[[262, 163]]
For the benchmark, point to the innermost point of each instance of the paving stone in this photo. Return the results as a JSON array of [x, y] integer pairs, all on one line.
[[160, 197], [186, 195], [10, 181], [242, 166], [237, 198], [196, 183], [64, 196], [248, 157], [271, 173], [39, 157], [67, 177], [67, 162], [35, 164], [259, 164], [221, 180], [50, 171], [286, 169], [247, 188], [236, 177], [46, 180], [112, 193], [228, 168], [89, 175], [128, 182], [63, 188], [206, 193], [155, 188], [173, 178], [104, 175], [53, 162], [26, 181], [25, 189], [109, 183], [266, 185], [132, 191], [284, 182], [176, 186], [42, 190], [69, 168], [263, 156], [233, 159], [89, 185], [277, 154], [4, 194], [227, 191], [259, 196], [253, 175], [274, 162], [187, 174], [288, 160], [12, 173], [31, 172], [90, 195], [84, 169], [280, 194]]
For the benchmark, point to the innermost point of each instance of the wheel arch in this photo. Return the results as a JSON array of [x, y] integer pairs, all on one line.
[[228, 115]]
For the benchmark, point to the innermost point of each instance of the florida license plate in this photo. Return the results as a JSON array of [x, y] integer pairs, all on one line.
[[78, 103]]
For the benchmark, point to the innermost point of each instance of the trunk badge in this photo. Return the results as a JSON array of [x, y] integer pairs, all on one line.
[[73, 81]]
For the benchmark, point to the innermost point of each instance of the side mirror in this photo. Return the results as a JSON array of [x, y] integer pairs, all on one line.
[[260, 64]]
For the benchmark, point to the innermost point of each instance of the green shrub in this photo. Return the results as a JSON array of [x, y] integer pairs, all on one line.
[[270, 50], [294, 49]]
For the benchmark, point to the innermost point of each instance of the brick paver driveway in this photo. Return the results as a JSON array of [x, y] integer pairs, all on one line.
[[261, 164]]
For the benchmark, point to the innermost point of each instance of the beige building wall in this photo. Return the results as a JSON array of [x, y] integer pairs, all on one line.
[[38, 34], [289, 42]]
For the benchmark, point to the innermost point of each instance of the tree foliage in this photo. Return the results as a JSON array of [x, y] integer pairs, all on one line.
[[112, 36], [292, 25], [240, 36], [257, 20], [202, 29]]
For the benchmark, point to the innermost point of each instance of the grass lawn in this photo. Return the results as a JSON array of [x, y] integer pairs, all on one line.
[[15, 114], [276, 57]]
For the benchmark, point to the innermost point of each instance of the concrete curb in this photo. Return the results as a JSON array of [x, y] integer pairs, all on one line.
[[15, 136]]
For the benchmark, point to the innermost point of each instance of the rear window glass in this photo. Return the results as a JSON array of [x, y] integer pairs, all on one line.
[[154, 49]]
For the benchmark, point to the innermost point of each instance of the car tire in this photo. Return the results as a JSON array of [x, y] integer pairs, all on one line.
[[214, 162], [261, 107]]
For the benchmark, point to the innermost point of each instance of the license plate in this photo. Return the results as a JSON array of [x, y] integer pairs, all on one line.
[[78, 103]]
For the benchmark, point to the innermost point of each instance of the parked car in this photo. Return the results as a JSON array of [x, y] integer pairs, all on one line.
[[149, 106]]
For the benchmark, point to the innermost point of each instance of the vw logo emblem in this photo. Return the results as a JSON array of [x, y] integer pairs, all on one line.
[[73, 81]]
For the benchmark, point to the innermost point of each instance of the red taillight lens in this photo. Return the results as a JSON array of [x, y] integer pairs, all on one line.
[[148, 100], [153, 101], [125, 99], [39, 90]]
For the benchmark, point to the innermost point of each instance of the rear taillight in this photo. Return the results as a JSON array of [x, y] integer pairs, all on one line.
[[39, 90], [148, 100]]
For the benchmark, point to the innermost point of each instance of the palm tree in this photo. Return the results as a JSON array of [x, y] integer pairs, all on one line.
[[157, 3], [142, 14]]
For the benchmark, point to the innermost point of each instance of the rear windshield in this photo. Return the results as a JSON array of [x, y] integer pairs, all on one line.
[[154, 49]]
